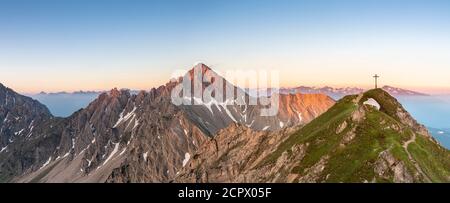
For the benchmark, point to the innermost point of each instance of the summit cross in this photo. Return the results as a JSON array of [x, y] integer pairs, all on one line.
[[376, 80]]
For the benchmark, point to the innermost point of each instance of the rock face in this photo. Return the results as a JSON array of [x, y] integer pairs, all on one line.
[[235, 152], [120, 138], [125, 137], [18, 114], [21, 119], [351, 142]]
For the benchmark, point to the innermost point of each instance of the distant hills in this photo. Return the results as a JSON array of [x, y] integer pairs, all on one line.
[[402, 92], [80, 92], [68, 93], [63, 103], [336, 93], [284, 90]]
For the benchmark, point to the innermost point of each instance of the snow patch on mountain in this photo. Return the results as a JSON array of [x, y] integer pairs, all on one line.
[[126, 117], [187, 156], [144, 155], [46, 163], [116, 148]]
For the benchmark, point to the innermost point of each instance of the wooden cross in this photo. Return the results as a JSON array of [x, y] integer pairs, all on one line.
[[376, 80]]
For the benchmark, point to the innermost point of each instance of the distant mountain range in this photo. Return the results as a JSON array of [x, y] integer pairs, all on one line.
[[66, 93], [144, 137], [80, 92], [336, 93], [301, 89], [63, 104]]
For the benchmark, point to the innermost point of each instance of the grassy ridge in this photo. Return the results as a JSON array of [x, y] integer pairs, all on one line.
[[355, 161], [312, 130]]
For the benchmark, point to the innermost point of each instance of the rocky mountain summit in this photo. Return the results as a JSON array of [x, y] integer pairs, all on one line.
[[127, 137]]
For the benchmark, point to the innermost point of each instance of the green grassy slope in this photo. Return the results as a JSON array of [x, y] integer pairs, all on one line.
[[352, 151]]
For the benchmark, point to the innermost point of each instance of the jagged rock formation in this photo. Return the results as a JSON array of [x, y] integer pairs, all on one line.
[[123, 137], [351, 142], [17, 112]]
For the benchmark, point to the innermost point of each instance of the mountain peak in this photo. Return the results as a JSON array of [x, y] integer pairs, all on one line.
[[400, 91], [387, 102], [7, 90], [4, 88], [114, 92], [393, 108], [199, 63], [204, 68]]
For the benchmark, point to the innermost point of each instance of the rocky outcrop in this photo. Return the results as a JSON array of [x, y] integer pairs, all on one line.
[[388, 166], [234, 156]]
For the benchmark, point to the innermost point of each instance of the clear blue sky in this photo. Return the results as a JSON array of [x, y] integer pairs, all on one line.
[[92, 45]]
